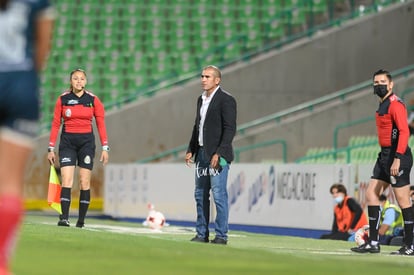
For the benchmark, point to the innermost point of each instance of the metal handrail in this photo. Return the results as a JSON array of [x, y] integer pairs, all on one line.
[[334, 152], [307, 106], [365, 119], [239, 150], [310, 105]]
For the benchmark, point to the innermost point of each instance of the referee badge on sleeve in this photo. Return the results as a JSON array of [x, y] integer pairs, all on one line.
[[87, 160]]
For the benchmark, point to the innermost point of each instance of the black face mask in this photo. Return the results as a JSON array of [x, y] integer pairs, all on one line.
[[380, 90]]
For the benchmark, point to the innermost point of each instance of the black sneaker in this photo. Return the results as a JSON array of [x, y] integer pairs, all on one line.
[[219, 241], [367, 248], [80, 224], [404, 250], [63, 222], [199, 239]]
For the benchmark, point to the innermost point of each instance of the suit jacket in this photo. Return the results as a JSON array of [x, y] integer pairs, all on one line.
[[219, 126]]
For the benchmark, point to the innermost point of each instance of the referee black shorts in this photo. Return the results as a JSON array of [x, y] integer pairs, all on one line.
[[383, 165], [77, 149]]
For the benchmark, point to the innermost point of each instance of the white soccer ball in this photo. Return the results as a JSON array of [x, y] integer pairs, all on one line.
[[361, 235], [155, 220]]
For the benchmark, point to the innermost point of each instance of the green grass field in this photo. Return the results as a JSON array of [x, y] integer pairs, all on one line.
[[110, 247]]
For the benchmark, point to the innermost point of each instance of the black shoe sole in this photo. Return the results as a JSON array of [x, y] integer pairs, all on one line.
[[63, 224], [219, 241], [199, 240]]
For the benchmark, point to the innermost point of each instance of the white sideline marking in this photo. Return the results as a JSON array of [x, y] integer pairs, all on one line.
[[139, 230], [333, 252], [176, 230]]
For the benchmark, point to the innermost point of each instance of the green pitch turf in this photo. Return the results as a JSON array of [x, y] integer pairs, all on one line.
[[110, 247]]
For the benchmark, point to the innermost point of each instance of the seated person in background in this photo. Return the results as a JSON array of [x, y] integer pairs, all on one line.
[[391, 219], [348, 215]]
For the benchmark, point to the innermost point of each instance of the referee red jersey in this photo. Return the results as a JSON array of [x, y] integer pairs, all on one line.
[[392, 125], [77, 114]]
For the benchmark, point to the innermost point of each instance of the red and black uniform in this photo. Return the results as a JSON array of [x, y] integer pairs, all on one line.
[[393, 135], [77, 141]]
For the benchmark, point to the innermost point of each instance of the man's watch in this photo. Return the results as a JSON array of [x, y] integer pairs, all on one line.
[[105, 148]]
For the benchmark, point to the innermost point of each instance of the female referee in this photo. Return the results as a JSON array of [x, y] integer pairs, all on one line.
[[76, 108]]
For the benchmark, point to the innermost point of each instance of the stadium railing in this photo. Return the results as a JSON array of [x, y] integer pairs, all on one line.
[[365, 119], [282, 142], [331, 156], [175, 152], [274, 119], [360, 149], [123, 88]]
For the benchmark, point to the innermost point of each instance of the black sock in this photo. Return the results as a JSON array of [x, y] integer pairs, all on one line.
[[408, 217], [84, 200], [374, 213], [65, 202]]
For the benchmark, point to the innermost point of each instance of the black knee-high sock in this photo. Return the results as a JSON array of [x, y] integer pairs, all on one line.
[[408, 217], [374, 213], [84, 200], [65, 196]]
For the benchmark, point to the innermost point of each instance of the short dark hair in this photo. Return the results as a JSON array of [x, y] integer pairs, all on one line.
[[382, 71], [340, 187], [382, 197]]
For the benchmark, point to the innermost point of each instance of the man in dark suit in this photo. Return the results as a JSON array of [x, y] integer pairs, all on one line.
[[211, 146]]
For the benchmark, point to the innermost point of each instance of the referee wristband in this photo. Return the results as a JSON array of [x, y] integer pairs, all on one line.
[[105, 148], [50, 149]]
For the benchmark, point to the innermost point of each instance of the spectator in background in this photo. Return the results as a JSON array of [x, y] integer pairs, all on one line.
[[25, 39], [411, 116], [391, 219], [348, 215]]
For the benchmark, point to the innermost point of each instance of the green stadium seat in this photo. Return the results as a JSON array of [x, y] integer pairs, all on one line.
[[271, 8], [295, 19], [184, 62], [111, 34], [354, 140], [249, 24], [317, 6], [233, 51], [65, 7], [248, 9], [254, 40], [274, 29], [317, 11], [228, 11]]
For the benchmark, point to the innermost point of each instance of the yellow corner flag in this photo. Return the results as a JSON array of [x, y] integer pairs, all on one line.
[[53, 194]]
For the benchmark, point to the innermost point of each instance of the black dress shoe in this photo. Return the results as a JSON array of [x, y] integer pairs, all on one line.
[[219, 241], [199, 239], [367, 248], [63, 222], [80, 224]]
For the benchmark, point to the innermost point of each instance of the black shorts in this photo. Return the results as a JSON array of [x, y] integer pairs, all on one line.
[[19, 102], [77, 149], [383, 165]]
